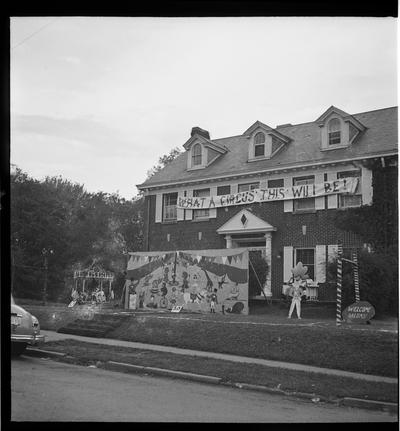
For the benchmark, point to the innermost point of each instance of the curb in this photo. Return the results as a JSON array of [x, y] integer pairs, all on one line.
[[276, 391], [130, 368], [120, 366], [40, 353], [376, 405]]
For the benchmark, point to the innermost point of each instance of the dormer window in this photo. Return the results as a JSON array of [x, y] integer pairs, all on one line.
[[338, 129], [196, 155], [259, 145], [334, 132]]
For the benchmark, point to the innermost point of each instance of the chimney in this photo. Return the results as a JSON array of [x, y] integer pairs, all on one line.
[[200, 131], [284, 125]]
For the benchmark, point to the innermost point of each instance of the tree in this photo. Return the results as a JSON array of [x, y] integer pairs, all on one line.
[[378, 281], [80, 228], [164, 161], [377, 225]]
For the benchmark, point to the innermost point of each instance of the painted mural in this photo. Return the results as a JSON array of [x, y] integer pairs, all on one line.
[[197, 280]]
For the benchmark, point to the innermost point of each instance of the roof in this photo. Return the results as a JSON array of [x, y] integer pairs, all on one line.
[[379, 138]]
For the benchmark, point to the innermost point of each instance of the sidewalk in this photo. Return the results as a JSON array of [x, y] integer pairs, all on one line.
[[55, 336]]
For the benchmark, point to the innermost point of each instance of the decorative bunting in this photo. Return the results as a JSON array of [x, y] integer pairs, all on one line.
[[224, 259]]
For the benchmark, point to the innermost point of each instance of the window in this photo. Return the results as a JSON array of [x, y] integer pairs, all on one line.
[[347, 200], [307, 257], [259, 145], [247, 187], [303, 204], [275, 183], [223, 190], [334, 132], [196, 155], [169, 206], [199, 214]]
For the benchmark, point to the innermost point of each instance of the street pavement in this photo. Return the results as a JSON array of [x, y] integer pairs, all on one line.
[[45, 390]]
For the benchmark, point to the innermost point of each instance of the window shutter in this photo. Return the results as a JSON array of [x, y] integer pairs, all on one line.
[[213, 211], [320, 263], [366, 186], [332, 199], [319, 202], [263, 184], [180, 213], [158, 218], [332, 252], [287, 204], [287, 263], [234, 188], [189, 213]]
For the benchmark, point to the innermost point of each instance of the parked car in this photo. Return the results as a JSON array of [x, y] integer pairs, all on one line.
[[25, 329]]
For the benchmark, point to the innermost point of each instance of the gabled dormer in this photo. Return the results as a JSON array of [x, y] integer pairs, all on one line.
[[264, 141], [201, 151], [338, 129]]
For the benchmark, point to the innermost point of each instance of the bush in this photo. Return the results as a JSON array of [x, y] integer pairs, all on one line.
[[378, 280]]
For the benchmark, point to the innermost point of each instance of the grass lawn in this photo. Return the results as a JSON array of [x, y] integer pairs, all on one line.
[[338, 348], [331, 387], [314, 342]]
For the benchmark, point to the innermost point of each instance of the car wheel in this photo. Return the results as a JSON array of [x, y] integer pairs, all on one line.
[[17, 348]]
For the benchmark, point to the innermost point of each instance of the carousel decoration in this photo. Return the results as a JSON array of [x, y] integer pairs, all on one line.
[[83, 290]]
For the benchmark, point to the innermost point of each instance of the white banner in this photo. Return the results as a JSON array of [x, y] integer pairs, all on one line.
[[344, 185]]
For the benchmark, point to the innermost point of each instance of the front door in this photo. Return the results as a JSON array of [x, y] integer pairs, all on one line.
[[258, 270]]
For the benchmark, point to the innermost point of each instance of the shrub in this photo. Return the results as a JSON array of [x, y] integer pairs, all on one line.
[[378, 280]]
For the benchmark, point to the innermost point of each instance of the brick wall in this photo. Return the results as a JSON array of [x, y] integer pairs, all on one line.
[[319, 225], [184, 234]]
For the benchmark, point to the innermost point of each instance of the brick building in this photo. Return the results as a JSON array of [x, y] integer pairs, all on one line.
[[336, 145]]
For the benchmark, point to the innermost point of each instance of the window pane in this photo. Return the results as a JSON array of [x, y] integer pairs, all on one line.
[[275, 183], [201, 193], [349, 201], [259, 138], [306, 257], [334, 128], [196, 155], [334, 125], [305, 203], [247, 187], [201, 213], [169, 206], [223, 190], [334, 138], [259, 150]]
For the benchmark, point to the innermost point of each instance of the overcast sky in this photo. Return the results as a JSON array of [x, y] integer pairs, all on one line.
[[99, 100]]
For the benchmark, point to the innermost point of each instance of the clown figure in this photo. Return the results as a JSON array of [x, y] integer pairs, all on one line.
[[296, 290]]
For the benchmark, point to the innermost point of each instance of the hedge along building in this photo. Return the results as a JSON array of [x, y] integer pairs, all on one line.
[[275, 189]]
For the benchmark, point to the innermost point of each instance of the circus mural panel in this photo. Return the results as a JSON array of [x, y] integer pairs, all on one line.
[[196, 280]]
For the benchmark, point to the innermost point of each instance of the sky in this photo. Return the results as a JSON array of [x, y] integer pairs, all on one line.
[[97, 100]]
